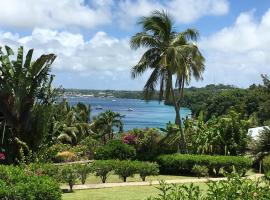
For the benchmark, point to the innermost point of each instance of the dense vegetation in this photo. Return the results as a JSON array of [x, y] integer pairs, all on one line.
[[252, 103]]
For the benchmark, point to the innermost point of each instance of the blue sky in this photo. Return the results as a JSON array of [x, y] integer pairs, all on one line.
[[91, 37]]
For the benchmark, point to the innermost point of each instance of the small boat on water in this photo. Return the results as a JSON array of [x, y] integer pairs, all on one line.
[[99, 108], [130, 109], [113, 100]]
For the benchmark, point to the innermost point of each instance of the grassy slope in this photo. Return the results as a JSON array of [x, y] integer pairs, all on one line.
[[117, 193]]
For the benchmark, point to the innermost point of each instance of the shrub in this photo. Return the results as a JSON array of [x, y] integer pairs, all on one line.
[[44, 169], [69, 175], [83, 171], [80, 151], [237, 187], [129, 139], [200, 170], [266, 164], [233, 188], [51, 152], [91, 146], [125, 168], [145, 169], [17, 184], [173, 192], [115, 149], [65, 156], [2, 157], [102, 168], [148, 143], [183, 163]]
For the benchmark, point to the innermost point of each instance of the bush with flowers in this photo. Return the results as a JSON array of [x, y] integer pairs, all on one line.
[[2, 157]]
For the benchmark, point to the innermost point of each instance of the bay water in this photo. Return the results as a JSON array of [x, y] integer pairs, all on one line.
[[136, 113]]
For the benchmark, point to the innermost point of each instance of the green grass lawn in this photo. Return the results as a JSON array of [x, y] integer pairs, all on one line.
[[117, 193], [115, 179], [123, 193]]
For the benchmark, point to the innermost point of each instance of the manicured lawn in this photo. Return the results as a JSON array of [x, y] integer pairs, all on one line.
[[117, 193], [115, 179]]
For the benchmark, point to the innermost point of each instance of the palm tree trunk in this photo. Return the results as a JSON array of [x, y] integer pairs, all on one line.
[[182, 141]]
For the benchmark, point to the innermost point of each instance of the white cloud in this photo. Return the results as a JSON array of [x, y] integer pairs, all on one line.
[[58, 14], [101, 53], [238, 54], [53, 13], [184, 11]]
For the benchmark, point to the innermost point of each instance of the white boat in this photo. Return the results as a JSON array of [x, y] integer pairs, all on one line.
[[130, 109], [99, 108], [113, 100]]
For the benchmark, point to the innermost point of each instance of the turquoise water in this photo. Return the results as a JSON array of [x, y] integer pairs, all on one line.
[[144, 114]]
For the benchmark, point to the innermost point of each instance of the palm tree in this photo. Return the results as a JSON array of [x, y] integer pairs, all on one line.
[[71, 124], [168, 53], [105, 124]]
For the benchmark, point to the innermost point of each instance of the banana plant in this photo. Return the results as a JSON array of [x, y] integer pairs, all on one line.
[[24, 84]]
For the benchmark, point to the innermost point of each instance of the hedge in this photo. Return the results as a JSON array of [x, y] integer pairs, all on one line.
[[115, 149], [103, 168], [124, 169], [183, 163], [18, 184]]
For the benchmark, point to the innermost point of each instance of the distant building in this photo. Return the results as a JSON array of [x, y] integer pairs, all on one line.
[[255, 132], [88, 95]]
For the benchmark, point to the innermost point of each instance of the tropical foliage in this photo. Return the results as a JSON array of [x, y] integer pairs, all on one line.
[[149, 142], [115, 149], [71, 124], [26, 98], [106, 123]]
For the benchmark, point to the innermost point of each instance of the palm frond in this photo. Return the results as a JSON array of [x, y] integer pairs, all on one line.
[[143, 39], [149, 88], [149, 59]]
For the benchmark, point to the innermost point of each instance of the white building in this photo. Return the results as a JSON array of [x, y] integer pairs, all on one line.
[[255, 132]]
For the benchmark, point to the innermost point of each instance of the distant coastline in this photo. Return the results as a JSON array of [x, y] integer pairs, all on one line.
[[189, 100]]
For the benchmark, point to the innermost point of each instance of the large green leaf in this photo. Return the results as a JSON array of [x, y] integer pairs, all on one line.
[[9, 51], [18, 65], [28, 59], [41, 63]]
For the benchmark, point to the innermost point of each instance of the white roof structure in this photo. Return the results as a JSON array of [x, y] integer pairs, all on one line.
[[255, 132]]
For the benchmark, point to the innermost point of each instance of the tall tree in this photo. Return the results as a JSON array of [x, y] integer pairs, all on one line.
[[25, 97], [168, 53]]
